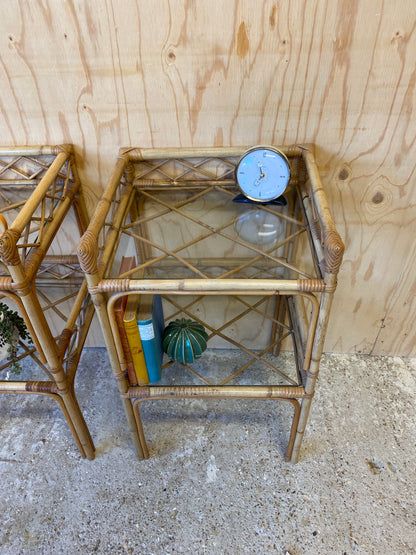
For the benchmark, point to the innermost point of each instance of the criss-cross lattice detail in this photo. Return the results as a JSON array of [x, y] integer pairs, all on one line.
[[173, 193], [35, 224], [190, 308], [220, 231], [66, 270], [57, 305], [184, 223], [19, 176], [24, 169], [181, 170]]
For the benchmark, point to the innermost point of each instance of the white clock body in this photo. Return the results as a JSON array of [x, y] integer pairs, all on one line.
[[263, 173]]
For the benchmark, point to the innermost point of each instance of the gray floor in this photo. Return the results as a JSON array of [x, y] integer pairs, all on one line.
[[217, 482]]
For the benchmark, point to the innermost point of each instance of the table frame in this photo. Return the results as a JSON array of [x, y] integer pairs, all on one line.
[[99, 244]]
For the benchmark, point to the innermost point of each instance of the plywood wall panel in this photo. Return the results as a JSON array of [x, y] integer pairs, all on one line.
[[341, 74]]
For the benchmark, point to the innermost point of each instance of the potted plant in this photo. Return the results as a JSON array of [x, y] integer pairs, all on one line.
[[12, 326]]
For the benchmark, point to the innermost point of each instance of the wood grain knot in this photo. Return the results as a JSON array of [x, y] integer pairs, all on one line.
[[171, 57], [343, 174], [272, 17], [377, 198], [243, 44]]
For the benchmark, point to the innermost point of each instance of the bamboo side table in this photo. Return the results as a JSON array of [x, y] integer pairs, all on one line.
[[39, 186], [175, 209]]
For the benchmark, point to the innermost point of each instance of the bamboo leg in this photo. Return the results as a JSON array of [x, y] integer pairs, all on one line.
[[86, 449], [122, 388], [122, 383], [187, 392], [49, 348], [293, 429], [90, 450], [21, 388], [64, 390], [140, 430], [312, 374], [78, 425], [87, 253], [302, 420], [280, 312]]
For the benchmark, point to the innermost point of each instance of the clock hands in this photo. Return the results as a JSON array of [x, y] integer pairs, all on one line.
[[257, 183]]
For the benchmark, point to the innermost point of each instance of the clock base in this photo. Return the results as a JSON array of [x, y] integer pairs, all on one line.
[[279, 201]]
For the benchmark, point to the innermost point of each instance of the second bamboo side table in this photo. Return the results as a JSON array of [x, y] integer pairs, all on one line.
[[39, 189]]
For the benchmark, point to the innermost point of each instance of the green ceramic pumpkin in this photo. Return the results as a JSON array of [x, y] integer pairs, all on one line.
[[184, 340]]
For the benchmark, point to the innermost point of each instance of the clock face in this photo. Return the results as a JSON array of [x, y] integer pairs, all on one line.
[[263, 173]]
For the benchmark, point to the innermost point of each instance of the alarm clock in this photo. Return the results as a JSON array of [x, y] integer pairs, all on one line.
[[262, 174]]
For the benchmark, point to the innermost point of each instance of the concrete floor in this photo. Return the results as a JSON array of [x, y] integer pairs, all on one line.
[[217, 482]]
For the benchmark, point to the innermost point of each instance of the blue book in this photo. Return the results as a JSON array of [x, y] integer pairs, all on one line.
[[151, 325]]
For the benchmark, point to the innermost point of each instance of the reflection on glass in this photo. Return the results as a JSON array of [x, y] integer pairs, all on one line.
[[261, 229]]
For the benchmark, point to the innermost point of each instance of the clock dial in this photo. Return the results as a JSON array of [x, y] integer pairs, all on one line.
[[263, 173]]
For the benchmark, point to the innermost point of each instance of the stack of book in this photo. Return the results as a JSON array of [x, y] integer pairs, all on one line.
[[140, 324]]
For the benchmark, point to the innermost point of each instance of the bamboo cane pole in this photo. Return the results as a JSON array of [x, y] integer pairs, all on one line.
[[332, 243], [312, 374], [137, 154], [113, 236], [25, 215], [34, 150], [210, 286], [36, 255], [301, 317], [49, 348], [216, 392], [18, 183], [100, 304], [40, 388], [318, 255]]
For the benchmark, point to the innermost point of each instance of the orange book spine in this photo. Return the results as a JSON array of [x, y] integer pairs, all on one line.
[[133, 338]]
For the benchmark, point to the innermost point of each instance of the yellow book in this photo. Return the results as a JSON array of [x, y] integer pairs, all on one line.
[[133, 337]]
